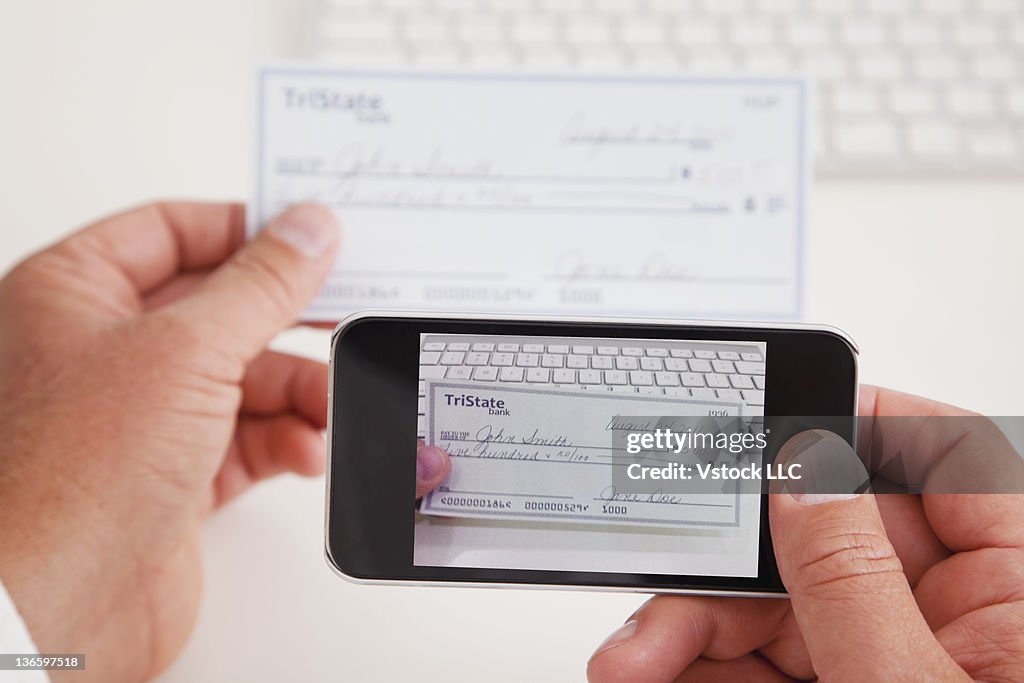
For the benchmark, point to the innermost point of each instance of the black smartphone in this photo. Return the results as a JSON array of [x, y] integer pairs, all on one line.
[[583, 452]]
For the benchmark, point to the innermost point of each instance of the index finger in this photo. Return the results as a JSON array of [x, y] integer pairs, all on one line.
[[150, 244]]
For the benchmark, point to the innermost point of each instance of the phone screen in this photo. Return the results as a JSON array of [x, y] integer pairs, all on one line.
[[590, 454]]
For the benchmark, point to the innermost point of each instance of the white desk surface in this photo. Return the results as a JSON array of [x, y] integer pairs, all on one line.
[[111, 103]]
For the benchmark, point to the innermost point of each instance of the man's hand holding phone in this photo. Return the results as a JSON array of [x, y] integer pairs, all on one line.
[[883, 588]]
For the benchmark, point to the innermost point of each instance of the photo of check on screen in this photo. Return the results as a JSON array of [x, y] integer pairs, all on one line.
[[537, 480]]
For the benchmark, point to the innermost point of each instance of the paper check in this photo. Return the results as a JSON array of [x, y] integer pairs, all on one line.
[[546, 454], [544, 194]]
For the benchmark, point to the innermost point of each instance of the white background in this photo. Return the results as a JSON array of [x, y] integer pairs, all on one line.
[[109, 103]]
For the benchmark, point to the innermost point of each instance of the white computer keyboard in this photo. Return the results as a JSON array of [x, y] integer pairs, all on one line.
[[902, 86], [702, 370]]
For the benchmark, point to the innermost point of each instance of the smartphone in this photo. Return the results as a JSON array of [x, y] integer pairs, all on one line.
[[549, 424]]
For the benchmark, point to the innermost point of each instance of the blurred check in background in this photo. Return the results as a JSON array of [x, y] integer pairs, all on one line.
[[913, 240]]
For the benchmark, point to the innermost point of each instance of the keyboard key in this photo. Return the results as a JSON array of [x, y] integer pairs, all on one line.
[[691, 379], [667, 379], [641, 31], [694, 33], [994, 66], [641, 378], [975, 33], [453, 358], [728, 355], [651, 364], [808, 32], [741, 381], [676, 364], [421, 426], [729, 394], [615, 377], [433, 346], [862, 33], [563, 5], [918, 33], [626, 363], [483, 347], [705, 355], [753, 32], [700, 366], [971, 101], [549, 360], [607, 350], [586, 29], [751, 356], [425, 28], [622, 390], [558, 348], [632, 351], [536, 28], [508, 348], [459, 372], [995, 145], [1015, 99], [590, 376], [937, 66], [759, 382], [832, 6], [458, 346], [423, 388], [359, 26], [433, 372], [825, 66], [682, 353], [856, 100], [583, 350], [430, 358], [577, 361], [723, 366], [527, 360], [703, 393], [485, 374], [511, 375], [681, 392], [538, 375], [421, 405], [601, 363], [745, 368], [717, 381], [875, 139], [933, 139], [533, 348], [884, 67], [754, 398], [657, 353], [480, 29], [649, 390], [477, 358], [565, 376], [502, 359], [908, 98]]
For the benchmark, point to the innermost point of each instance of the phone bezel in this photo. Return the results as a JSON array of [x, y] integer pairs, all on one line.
[[808, 377]]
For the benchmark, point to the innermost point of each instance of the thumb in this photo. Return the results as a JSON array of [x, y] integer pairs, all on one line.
[[849, 594], [264, 286]]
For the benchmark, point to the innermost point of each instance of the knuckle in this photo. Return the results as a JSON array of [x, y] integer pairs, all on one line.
[[840, 561]]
